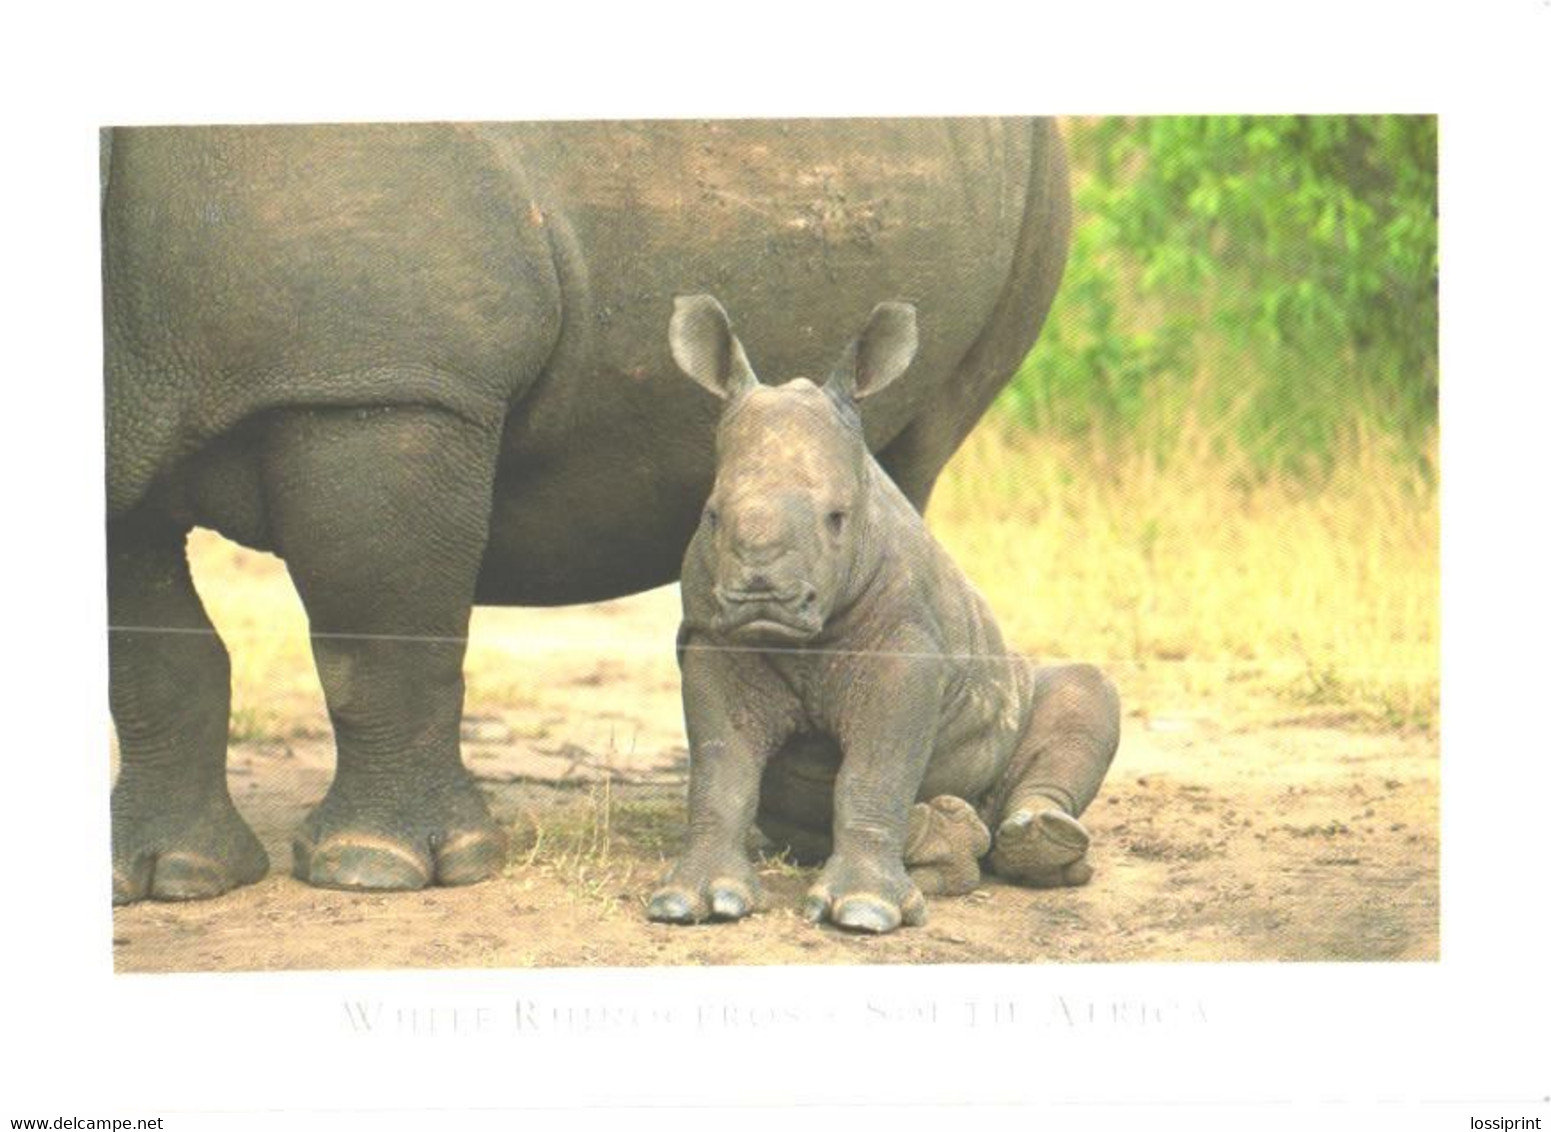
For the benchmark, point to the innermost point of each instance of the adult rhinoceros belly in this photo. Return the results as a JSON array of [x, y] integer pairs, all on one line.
[[608, 457]]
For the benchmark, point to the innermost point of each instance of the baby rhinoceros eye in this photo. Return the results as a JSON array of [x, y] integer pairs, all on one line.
[[709, 518], [836, 521]]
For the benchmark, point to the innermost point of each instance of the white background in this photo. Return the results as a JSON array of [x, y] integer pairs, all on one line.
[[1269, 1046]]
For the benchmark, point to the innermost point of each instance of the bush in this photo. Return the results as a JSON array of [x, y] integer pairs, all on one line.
[[1273, 278]]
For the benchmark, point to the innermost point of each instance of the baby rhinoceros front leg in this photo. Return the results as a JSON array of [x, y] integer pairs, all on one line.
[[714, 879], [886, 723]]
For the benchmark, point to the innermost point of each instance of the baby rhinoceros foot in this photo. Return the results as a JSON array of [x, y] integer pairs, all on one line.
[[1042, 848], [865, 894], [943, 846], [399, 847], [716, 887]]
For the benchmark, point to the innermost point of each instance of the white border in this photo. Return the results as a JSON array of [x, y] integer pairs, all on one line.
[[1468, 1030]]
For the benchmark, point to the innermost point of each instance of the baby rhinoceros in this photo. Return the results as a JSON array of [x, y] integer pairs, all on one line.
[[845, 686]]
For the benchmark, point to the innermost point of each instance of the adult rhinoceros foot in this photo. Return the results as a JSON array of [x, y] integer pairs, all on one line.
[[192, 855], [451, 843]]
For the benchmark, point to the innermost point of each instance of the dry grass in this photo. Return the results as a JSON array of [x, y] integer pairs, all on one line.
[[596, 841], [596, 825], [1192, 570], [607, 839]]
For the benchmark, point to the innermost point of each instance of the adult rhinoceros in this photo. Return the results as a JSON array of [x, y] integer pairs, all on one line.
[[424, 364]]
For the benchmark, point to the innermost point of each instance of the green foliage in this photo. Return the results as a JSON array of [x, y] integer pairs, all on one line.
[[1273, 277]]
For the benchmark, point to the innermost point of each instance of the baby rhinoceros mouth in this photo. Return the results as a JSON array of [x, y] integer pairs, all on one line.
[[768, 617]]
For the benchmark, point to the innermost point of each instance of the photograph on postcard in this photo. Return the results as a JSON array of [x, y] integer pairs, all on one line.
[[772, 541]]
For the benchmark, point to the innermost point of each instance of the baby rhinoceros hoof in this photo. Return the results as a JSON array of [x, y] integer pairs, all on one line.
[[864, 897], [943, 846], [693, 895], [1042, 849]]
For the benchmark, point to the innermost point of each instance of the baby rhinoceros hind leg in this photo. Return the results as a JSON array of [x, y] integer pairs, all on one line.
[[1068, 743], [943, 846]]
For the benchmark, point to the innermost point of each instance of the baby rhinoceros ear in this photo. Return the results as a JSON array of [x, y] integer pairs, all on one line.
[[882, 352], [705, 348]]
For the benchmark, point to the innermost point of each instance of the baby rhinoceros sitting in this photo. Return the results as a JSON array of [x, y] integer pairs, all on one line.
[[845, 687]]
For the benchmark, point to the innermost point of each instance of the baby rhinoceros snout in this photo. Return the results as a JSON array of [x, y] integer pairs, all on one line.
[[766, 590], [759, 556], [766, 601], [769, 617], [760, 590]]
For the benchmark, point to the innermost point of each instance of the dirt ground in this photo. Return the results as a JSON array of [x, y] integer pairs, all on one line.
[[1250, 831]]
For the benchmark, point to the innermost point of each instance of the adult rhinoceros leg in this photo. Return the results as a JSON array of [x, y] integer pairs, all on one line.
[[382, 517], [176, 834], [916, 457]]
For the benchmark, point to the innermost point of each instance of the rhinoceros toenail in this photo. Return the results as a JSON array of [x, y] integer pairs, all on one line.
[[184, 876], [866, 913], [1020, 822], [729, 905], [671, 907], [1063, 829], [466, 858], [368, 863], [132, 882]]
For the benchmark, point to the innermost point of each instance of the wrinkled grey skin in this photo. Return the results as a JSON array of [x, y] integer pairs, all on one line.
[[424, 365], [845, 686]]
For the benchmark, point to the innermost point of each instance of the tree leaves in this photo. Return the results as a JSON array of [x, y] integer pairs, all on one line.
[[1308, 245]]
